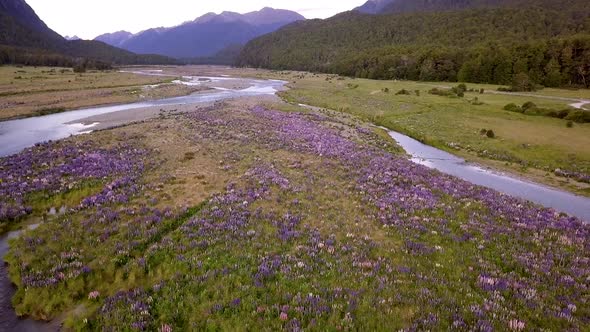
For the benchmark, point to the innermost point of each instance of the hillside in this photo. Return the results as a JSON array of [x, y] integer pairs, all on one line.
[[205, 36], [399, 6], [487, 45], [26, 39]]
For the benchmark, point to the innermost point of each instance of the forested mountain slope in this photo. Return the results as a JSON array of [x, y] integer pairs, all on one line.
[[488, 45]]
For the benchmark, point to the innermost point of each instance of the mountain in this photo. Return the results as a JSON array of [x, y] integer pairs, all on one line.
[[25, 38], [115, 39], [487, 41], [206, 35], [24, 15], [74, 37], [373, 6]]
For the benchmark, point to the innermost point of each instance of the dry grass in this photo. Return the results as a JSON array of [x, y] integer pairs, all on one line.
[[32, 91]]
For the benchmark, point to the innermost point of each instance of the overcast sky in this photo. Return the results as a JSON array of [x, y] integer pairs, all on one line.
[[90, 18]]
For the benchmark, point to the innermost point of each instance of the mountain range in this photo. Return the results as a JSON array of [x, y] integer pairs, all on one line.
[[205, 36]]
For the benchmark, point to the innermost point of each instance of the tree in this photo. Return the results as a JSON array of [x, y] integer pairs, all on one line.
[[522, 82], [553, 76]]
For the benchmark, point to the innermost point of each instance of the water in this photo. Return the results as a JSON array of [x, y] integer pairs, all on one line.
[[8, 319], [447, 163], [16, 135]]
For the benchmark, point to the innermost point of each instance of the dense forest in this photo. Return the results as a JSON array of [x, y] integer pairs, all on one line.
[[533, 45]]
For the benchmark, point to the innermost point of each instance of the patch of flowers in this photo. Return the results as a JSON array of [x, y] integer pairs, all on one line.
[[55, 168]]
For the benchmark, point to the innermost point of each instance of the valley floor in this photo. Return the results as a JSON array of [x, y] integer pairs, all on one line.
[[255, 214]]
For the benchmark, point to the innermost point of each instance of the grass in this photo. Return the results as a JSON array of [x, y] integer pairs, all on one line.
[[34, 91], [528, 145]]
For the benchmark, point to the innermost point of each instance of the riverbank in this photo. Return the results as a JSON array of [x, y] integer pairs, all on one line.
[[537, 148]]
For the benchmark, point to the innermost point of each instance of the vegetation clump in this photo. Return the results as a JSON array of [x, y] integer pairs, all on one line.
[[403, 92], [529, 108]]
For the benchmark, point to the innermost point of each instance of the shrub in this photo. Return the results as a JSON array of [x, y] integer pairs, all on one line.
[[352, 86], [513, 108], [481, 91], [417, 93], [490, 134], [459, 90], [441, 92], [403, 92], [386, 90], [79, 69], [483, 132], [579, 116], [569, 124], [528, 105], [563, 113]]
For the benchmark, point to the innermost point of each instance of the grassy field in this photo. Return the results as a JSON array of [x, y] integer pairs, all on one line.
[[32, 91], [532, 146]]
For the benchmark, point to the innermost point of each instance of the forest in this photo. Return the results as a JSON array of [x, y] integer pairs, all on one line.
[[525, 46]]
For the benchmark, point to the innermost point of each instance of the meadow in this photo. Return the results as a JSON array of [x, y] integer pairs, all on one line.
[[244, 217]]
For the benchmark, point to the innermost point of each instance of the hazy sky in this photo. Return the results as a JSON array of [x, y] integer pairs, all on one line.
[[90, 18]]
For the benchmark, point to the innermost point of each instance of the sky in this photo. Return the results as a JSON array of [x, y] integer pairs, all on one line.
[[90, 18]]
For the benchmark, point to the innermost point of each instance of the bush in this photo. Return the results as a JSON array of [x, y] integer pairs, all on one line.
[[403, 92], [513, 108], [386, 90], [459, 90], [441, 92], [563, 113], [79, 68], [569, 124], [490, 134], [417, 93], [579, 116], [481, 91], [528, 105], [483, 132]]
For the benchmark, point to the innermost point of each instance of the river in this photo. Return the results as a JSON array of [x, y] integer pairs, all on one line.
[[447, 163], [17, 135]]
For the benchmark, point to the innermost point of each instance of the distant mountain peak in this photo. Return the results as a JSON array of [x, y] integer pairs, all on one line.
[[115, 38], [206, 35], [74, 37]]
